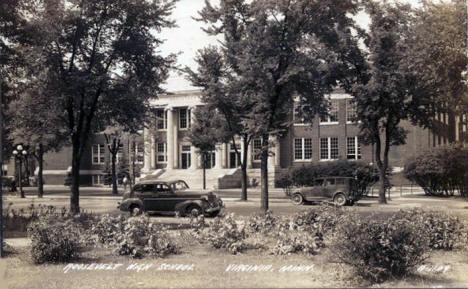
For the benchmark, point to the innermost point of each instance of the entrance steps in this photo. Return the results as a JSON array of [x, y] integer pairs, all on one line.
[[215, 178]]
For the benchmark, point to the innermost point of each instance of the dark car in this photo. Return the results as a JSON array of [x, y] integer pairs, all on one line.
[[340, 190], [174, 197]]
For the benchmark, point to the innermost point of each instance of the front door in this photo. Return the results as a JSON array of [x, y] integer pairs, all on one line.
[[233, 159], [210, 160], [185, 157]]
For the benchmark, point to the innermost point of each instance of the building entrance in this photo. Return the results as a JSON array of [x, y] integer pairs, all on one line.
[[185, 159]]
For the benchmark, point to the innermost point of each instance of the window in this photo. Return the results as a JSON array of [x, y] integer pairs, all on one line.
[[257, 149], [353, 148], [98, 180], [184, 118], [161, 152], [161, 121], [302, 149], [98, 154], [139, 152], [329, 148], [332, 116], [351, 112], [300, 112]]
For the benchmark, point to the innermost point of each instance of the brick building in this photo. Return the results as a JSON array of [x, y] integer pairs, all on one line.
[[163, 151]]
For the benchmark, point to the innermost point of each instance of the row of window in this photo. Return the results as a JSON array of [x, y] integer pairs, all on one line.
[[98, 153], [328, 148], [184, 119], [333, 113]]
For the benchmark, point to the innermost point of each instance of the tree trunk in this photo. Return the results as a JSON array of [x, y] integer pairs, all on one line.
[[382, 170], [244, 171], [40, 180], [75, 188], [114, 174], [264, 174], [203, 155]]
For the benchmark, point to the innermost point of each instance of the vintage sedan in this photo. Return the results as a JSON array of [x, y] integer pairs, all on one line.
[[340, 190], [170, 197]]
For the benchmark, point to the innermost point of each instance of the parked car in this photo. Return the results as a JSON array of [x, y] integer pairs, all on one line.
[[340, 190], [176, 196]]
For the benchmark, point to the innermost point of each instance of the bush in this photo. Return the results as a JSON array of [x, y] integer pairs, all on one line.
[[443, 231], [440, 171], [135, 236], [227, 233], [378, 250], [291, 241], [53, 241]]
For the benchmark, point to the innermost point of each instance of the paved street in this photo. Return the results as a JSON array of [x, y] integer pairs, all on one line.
[[101, 201]]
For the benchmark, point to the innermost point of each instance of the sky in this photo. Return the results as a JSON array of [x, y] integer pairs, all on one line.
[[189, 37]]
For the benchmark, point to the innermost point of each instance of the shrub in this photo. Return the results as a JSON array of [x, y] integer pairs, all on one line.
[[135, 236], [443, 231], [262, 223], [440, 171], [225, 232], [377, 250], [107, 228], [297, 241], [53, 241]]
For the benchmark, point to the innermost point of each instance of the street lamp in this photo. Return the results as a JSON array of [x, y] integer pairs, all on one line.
[[20, 152]]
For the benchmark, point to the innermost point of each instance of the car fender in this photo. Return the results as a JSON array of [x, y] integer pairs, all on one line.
[[126, 204], [182, 205]]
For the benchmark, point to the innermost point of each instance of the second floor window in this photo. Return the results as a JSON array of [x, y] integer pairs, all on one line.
[[350, 111], [98, 154], [184, 118], [332, 116], [161, 121]]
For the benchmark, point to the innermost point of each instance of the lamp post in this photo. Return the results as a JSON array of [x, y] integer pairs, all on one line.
[[20, 152]]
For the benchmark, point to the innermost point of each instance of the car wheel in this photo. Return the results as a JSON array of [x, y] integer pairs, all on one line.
[[339, 200], [193, 211], [297, 199], [135, 210]]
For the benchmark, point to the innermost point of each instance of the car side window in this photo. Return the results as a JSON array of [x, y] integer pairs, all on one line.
[[340, 181], [330, 182], [148, 188], [138, 188], [163, 188], [318, 182]]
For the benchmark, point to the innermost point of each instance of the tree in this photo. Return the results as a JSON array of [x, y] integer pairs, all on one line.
[[219, 93], [205, 133], [438, 55], [392, 92], [102, 60], [34, 123], [276, 51]]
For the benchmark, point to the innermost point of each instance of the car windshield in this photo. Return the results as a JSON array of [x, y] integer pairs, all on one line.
[[180, 185]]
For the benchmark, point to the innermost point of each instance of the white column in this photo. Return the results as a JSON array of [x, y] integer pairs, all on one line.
[[218, 154], [277, 153], [170, 139], [175, 127], [457, 128], [193, 158], [226, 155], [147, 150], [222, 159]]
